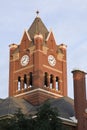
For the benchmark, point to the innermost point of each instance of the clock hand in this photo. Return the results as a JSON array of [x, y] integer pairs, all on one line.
[[24, 60]]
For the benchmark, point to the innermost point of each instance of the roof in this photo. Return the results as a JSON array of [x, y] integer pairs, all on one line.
[[38, 27], [10, 105], [1, 100], [65, 106]]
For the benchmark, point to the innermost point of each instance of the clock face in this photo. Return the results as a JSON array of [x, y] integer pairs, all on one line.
[[51, 60], [24, 60]]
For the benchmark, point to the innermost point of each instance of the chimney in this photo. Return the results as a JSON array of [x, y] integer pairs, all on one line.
[[79, 96]]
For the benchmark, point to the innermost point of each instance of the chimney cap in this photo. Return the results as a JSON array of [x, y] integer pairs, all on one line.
[[78, 70]]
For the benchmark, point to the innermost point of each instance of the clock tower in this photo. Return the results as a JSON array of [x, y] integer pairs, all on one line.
[[38, 67]]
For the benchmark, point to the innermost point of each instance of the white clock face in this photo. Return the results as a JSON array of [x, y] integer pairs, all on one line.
[[24, 60], [51, 60]]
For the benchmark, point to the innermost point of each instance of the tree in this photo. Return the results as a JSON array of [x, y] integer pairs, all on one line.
[[47, 118], [17, 122]]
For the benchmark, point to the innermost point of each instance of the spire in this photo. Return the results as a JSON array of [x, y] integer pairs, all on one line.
[[38, 27]]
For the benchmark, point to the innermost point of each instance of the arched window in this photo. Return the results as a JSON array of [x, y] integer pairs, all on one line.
[[57, 83], [45, 79], [19, 83], [51, 81], [30, 79], [25, 81]]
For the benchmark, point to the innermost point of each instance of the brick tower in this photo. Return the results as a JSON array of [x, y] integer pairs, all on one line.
[[38, 67]]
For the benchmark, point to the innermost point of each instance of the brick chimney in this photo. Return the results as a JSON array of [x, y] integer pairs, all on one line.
[[79, 97]]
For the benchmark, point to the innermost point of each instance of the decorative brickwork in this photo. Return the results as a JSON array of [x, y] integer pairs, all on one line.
[[38, 62]]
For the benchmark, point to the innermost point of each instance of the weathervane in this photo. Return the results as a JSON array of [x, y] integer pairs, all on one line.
[[37, 12]]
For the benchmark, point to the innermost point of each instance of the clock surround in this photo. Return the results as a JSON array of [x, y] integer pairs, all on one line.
[[24, 60], [51, 60]]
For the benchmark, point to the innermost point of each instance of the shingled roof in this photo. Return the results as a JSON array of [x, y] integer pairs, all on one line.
[[1, 100], [10, 105], [38, 27], [65, 107]]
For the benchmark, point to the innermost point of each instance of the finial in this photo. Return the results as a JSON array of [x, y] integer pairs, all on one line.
[[37, 12]]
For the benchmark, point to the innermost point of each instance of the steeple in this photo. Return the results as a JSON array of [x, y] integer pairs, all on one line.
[[38, 27]]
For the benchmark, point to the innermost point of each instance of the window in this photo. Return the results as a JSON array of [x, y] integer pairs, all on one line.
[[25, 81], [45, 79], [30, 79], [19, 83]]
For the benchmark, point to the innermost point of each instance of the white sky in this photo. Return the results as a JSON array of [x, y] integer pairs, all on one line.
[[68, 20]]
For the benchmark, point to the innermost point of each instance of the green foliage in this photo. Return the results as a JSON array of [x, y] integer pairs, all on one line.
[[46, 119], [4, 124], [18, 122]]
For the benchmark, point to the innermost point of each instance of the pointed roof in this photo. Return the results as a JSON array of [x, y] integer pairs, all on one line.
[[38, 27]]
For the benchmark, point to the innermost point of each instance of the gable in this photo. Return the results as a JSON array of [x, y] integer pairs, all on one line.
[[51, 44], [25, 41]]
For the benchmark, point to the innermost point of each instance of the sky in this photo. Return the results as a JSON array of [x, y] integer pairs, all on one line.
[[66, 18]]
